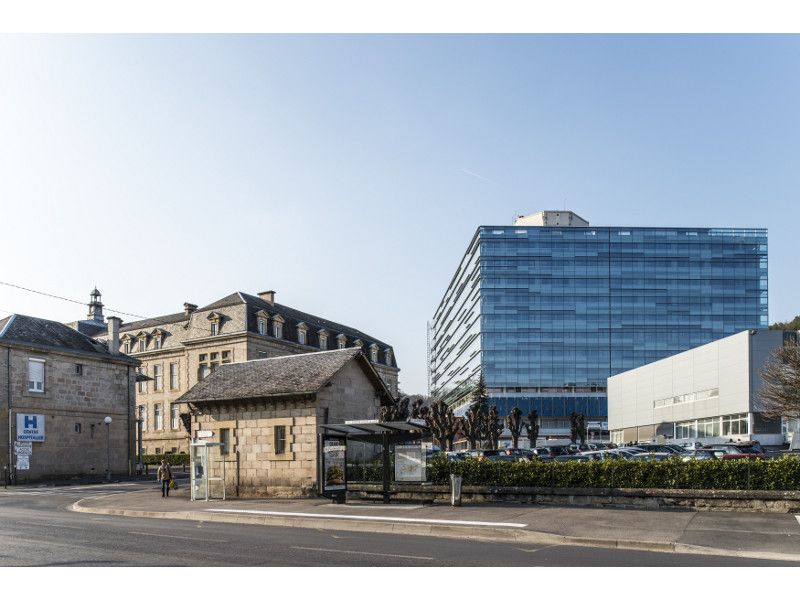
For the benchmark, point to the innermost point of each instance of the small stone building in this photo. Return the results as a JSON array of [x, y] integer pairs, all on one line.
[[266, 414], [58, 387]]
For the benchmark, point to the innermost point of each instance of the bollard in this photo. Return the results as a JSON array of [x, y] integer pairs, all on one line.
[[455, 490]]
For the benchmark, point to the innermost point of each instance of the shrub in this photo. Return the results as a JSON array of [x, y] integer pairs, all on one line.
[[777, 474], [179, 459]]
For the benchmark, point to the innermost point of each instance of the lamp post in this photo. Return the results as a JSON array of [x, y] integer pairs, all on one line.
[[107, 421]]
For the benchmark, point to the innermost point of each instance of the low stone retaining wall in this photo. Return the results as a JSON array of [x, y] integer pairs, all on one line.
[[731, 500]]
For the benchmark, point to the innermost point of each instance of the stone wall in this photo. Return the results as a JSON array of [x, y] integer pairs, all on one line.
[[725, 500], [252, 466], [74, 406]]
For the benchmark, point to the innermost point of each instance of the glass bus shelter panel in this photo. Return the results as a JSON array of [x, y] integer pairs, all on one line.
[[199, 471]]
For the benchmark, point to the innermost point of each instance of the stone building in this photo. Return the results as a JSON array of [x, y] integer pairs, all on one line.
[[266, 414], [178, 350], [58, 387]]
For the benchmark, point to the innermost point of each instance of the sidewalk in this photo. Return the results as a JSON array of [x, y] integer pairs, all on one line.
[[735, 534]]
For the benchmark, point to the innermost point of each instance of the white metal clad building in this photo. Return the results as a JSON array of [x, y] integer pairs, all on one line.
[[706, 394]]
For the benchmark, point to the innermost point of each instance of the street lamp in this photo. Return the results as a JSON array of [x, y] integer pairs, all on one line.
[[107, 421]]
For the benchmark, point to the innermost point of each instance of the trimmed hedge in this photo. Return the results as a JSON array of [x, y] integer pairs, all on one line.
[[179, 459], [777, 474]]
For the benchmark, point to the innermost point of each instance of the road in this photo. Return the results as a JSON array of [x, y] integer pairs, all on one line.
[[37, 529]]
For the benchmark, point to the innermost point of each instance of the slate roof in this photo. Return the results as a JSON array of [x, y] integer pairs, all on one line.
[[293, 317], [154, 322], [297, 374], [41, 333]]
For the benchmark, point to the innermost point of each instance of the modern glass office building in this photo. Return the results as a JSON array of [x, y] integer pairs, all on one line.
[[550, 307]]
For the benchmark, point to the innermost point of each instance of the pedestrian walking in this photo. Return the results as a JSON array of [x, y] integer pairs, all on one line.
[[165, 477]]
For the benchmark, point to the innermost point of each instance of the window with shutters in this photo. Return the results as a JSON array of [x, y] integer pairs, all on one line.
[[35, 375]]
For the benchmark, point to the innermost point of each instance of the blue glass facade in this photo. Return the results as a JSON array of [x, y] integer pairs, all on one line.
[[548, 313]]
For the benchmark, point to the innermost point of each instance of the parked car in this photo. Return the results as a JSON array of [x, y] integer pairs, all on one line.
[[625, 452], [733, 450], [670, 448], [652, 456], [602, 455], [572, 457], [697, 455], [550, 452]]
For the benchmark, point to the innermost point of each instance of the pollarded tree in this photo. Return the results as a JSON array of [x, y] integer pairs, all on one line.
[[494, 427], [514, 423], [471, 426], [533, 427], [443, 424], [416, 406], [779, 395], [396, 411]]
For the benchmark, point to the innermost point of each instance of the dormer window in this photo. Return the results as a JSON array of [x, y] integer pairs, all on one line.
[[142, 342], [373, 352], [215, 319], [388, 357], [263, 318], [341, 341], [277, 327], [358, 344], [301, 333], [323, 339], [157, 335]]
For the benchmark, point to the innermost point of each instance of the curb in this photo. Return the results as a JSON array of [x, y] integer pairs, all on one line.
[[448, 531]]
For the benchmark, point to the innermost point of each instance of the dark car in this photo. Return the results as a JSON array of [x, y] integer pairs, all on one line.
[[572, 457]]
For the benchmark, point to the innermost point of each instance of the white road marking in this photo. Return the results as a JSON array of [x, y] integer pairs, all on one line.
[[365, 518], [798, 518], [362, 553], [49, 525], [178, 537]]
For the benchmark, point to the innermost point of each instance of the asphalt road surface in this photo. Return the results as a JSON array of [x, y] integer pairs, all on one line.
[[37, 529]]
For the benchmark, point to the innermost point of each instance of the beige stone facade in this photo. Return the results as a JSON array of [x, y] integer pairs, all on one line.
[[78, 392], [176, 351], [253, 465]]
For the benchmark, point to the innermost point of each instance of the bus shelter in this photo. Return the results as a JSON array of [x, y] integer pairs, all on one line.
[[380, 452], [207, 473]]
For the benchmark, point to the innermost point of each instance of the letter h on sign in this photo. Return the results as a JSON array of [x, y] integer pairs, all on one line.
[[30, 422]]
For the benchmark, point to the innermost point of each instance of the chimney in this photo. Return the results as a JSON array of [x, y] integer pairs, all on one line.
[[113, 334], [268, 296], [189, 308]]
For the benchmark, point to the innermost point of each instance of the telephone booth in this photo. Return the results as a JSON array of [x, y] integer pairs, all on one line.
[[207, 475]]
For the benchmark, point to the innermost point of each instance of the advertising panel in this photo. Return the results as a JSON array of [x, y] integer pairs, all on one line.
[[30, 428], [333, 464], [409, 463]]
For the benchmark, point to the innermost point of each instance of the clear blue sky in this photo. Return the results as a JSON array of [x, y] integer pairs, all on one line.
[[349, 173]]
